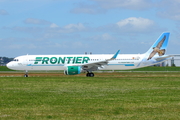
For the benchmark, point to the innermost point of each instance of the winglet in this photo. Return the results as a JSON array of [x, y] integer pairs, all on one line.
[[115, 55]]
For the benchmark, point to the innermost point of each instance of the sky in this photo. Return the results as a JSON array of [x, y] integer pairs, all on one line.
[[79, 26]]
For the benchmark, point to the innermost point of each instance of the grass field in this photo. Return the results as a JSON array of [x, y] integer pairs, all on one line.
[[4, 68], [126, 96]]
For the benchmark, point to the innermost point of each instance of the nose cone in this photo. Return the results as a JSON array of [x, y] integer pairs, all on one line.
[[10, 65]]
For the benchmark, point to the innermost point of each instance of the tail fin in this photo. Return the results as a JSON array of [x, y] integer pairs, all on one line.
[[159, 46]]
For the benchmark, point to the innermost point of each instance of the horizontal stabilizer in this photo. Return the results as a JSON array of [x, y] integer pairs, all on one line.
[[163, 58]]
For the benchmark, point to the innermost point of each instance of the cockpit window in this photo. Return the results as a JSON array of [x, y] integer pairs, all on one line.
[[15, 60]]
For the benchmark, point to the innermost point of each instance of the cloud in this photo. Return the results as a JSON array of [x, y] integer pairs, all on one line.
[[126, 4], [3, 12], [53, 25], [169, 9], [89, 9], [52, 31], [78, 26], [36, 21], [135, 24], [31, 30], [101, 6], [63, 32], [104, 37]]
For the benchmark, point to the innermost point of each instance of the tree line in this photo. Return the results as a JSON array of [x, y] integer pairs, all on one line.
[[5, 60]]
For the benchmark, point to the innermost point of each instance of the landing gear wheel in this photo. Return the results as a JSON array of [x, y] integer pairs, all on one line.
[[25, 75], [90, 75]]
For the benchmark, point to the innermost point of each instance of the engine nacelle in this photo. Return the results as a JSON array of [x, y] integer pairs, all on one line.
[[72, 70]]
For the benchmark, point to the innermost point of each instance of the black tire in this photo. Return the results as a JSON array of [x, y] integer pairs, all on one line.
[[90, 75], [87, 75], [25, 75]]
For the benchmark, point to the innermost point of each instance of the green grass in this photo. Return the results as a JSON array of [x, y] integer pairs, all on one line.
[[126, 96], [4, 68]]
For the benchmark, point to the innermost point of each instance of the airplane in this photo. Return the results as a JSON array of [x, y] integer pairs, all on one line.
[[76, 64]]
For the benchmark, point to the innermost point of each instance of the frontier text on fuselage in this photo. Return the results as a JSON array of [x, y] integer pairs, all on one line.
[[61, 60]]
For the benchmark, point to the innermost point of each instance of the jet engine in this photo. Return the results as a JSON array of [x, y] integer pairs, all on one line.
[[72, 70]]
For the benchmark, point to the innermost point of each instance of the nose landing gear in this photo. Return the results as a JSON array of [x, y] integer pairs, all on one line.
[[26, 74]]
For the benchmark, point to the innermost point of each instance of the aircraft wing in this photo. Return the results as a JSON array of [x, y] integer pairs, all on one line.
[[163, 58], [95, 65]]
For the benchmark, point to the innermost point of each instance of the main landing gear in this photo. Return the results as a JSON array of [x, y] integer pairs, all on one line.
[[26, 74], [90, 74]]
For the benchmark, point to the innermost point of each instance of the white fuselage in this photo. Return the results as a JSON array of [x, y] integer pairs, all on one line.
[[60, 62]]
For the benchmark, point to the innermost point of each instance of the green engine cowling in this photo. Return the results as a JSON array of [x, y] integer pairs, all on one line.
[[72, 70]]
